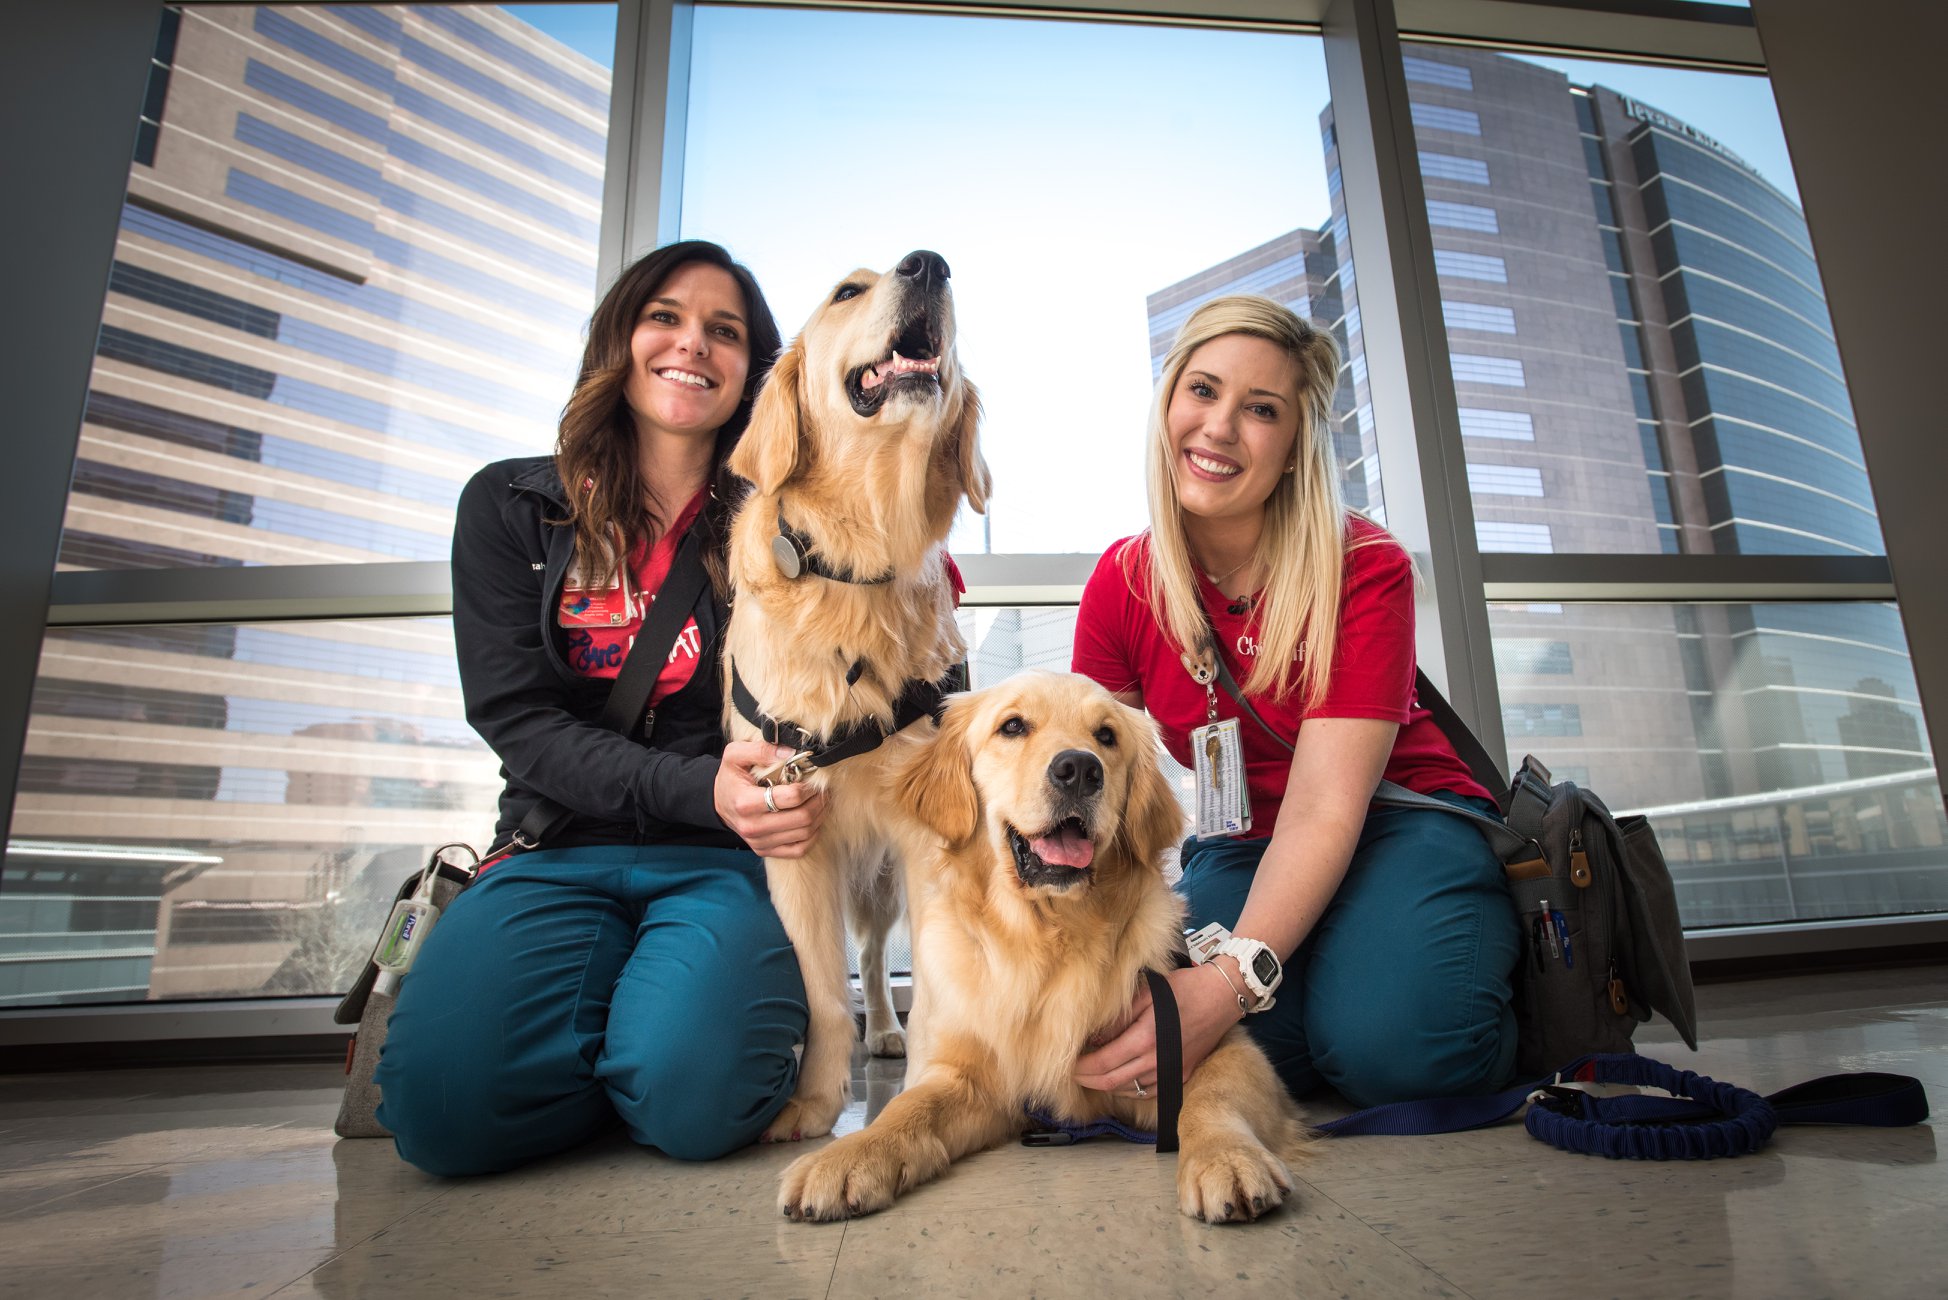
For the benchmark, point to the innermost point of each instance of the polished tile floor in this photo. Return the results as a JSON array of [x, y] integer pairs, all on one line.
[[221, 1182]]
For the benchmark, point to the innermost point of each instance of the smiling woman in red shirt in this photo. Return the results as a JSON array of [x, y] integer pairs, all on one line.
[[1366, 949]]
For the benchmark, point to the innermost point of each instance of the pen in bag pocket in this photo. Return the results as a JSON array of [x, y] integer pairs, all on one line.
[[1547, 918], [1561, 926]]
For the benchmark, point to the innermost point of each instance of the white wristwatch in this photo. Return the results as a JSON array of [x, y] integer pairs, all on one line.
[[1256, 961]]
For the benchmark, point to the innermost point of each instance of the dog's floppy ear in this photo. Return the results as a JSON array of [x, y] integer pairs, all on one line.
[[937, 783], [974, 479], [1153, 820], [768, 452]]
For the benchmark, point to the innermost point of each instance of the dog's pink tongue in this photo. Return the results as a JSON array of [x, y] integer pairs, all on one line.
[[1068, 847]]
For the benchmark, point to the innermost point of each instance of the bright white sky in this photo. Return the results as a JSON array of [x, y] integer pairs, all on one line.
[[1064, 170]]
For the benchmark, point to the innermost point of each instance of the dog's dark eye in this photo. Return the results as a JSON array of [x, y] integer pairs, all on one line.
[[1014, 727], [848, 291], [1106, 737]]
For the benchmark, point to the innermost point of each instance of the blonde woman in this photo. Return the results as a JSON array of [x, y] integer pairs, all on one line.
[[1368, 949]]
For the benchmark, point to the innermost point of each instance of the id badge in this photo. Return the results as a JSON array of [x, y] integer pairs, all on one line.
[[597, 606], [1218, 764]]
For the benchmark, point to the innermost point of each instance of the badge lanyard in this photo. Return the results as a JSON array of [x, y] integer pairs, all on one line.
[[1217, 759]]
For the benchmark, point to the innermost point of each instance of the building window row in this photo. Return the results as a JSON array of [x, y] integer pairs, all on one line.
[[1478, 316], [1433, 73], [1470, 368], [1462, 216], [1481, 422], [1434, 117], [1499, 535], [1470, 266], [1504, 480], [1448, 167]]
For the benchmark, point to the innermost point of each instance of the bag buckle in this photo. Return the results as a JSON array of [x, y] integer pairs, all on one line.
[[1568, 1102]]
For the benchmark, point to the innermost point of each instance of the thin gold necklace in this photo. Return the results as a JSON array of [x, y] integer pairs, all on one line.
[[1217, 579]]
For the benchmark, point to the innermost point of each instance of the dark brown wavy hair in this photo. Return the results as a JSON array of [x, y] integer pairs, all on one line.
[[597, 439]]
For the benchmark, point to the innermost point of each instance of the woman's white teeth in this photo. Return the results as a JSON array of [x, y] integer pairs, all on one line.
[[1213, 466], [684, 377]]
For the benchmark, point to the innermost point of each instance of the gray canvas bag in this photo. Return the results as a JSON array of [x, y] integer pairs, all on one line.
[[1602, 887], [1602, 943], [371, 1010]]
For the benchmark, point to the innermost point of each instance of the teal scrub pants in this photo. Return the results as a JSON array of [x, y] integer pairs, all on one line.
[[572, 988], [1402, 989]]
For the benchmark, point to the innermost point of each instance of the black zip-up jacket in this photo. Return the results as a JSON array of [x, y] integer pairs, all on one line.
[[509, 564]]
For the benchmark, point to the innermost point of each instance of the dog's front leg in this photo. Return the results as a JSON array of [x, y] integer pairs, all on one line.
[[873, 910], [808, 894], [1237, 1130], [937, 1120]]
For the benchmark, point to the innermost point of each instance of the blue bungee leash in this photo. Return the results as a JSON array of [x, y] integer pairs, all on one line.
[[1703, 1119]]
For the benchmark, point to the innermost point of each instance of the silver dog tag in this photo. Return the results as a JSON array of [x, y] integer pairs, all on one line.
[[786, 556]]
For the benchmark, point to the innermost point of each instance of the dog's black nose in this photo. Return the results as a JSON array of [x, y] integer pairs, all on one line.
[[923, 265], [1076, 772]]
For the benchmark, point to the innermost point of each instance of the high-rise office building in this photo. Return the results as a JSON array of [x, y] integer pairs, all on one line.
[[1643, 363], [356, 258]]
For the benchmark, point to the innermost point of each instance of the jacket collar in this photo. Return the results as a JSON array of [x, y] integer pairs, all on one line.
[[540, 475]]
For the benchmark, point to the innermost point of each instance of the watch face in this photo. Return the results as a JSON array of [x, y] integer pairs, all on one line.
[[1265, 966]]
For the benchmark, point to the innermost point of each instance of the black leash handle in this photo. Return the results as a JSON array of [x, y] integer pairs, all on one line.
[[1170, 1059]]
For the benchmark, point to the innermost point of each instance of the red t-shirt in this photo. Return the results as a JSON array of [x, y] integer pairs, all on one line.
[[596, 647], [1123, 647]]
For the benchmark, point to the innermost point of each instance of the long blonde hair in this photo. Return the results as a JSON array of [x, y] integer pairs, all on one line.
[[1302, 548]]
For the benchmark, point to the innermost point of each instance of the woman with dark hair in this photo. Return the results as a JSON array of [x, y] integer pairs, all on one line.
[[632, 966]]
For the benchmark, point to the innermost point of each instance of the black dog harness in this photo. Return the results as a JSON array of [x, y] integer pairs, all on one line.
[[917, 700]]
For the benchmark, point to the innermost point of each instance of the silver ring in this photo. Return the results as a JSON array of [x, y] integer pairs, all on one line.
[[769, 804], [1139, 1089]]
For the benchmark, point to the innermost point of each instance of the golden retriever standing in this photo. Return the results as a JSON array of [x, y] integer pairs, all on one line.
[[1037, 900], [860, 449]]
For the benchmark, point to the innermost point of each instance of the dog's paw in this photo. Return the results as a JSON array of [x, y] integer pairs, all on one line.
[[841, 1182], [1233, 1181], [886, 1042], [806, 1116]]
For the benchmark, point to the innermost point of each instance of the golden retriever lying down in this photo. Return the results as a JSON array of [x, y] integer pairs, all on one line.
[[861, 447], [1037, 899]]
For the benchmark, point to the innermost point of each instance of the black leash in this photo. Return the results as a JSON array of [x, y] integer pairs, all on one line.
[[1046, 1131], [1170, 1059]]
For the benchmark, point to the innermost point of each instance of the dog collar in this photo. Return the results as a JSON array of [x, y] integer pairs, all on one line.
[[792, 552]]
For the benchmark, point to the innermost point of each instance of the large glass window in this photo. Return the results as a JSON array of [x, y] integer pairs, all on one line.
[[1088, 184], [221, 809], [356, 257], [1779, 749]]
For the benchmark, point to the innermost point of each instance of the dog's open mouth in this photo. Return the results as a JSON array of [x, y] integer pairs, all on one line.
[[912, 361], [1058, 857]]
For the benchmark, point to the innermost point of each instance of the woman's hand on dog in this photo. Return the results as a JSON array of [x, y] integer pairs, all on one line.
[[786, 833], [1207, 1009]]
